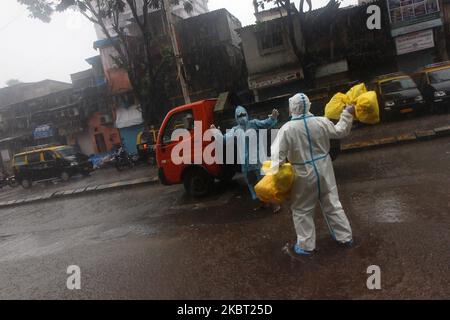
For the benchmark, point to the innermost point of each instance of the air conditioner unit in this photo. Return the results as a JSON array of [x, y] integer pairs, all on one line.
[[106, 119]]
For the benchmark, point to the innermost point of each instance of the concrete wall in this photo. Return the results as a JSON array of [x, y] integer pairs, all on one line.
[[110, 133], [260, 62]]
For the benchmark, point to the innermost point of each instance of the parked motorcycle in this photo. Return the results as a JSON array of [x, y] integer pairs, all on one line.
[[12, 182], [123, 160], [8, 181]]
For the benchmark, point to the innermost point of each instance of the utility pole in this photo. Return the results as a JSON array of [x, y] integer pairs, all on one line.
[[176, 51]]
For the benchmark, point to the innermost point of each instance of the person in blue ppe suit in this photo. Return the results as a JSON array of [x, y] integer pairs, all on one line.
[[249, 158], [305, 143]]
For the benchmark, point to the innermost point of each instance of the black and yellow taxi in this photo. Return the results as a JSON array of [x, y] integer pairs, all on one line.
[[434, 82], [398, 94], [47, 163]]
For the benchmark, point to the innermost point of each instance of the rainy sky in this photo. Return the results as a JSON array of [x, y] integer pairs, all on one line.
[[31, 50]]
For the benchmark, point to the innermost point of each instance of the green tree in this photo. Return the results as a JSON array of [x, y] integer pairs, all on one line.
[[12, 82], [146, 75]]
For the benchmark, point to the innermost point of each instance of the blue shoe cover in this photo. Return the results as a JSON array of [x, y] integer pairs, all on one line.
[[301, 252]]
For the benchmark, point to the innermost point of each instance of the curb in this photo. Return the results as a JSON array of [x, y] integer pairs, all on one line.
[[418, 135], [80, 191]]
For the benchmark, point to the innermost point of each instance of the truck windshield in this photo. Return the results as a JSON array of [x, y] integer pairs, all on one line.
[[439, 75], [396, 85], [67, 151], [181, 120]]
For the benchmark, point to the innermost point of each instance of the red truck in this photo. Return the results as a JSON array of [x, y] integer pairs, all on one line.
[[198, 178]]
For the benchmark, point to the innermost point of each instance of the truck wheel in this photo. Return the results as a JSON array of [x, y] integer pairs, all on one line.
[[26, 183], [198, 182]]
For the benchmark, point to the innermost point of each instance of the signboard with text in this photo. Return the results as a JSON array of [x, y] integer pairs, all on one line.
[[415, 41]]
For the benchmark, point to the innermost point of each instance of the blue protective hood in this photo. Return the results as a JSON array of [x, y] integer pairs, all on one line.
[[241, 121]]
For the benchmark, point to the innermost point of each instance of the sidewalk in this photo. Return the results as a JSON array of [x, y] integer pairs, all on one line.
[[401, 131], [99, 180]]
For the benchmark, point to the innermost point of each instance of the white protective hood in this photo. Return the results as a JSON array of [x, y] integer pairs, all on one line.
[[128, 117]]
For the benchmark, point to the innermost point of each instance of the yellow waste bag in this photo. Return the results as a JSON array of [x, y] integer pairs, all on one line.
[[275, 187], [367, 109], [355, 92], [334, 108]]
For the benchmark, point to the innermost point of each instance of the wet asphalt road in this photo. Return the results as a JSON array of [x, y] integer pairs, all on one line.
[[153, 242]]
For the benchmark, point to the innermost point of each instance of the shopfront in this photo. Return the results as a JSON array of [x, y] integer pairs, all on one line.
[[416, 27]]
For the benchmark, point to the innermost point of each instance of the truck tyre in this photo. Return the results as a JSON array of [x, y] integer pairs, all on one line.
[[198, 182]]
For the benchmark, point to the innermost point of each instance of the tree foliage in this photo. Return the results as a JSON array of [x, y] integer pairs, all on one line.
[[144, 69], [12, 82]]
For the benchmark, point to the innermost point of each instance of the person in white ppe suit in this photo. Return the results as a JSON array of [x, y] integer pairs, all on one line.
[[305, 143]]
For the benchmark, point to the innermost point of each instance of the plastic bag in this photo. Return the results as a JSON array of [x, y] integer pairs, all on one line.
[[365, 102], [275, 187], [334, 108], [367, 109], [355, 92]]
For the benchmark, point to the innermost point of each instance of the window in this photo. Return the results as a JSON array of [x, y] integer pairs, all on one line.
[[177, 121], [439, 76], [34, 157], [404, 10], [67, 151], [124, 100], [397, 85], [49, 156], [19, 160], [271, 39]]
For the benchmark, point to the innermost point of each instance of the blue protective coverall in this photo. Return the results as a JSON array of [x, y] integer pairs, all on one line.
[[250, 163]]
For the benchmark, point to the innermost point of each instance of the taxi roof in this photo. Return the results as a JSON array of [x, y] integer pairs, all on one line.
[[392, 78], [431, 69], [52, 148]]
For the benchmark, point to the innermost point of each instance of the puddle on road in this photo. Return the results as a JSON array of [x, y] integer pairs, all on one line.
[[21, 246], [389, 210], [384, 207], [123, 231]]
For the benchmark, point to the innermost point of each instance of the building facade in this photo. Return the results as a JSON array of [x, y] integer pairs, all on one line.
[[98, 134], [212, 55], [272, 65], [417, 27]]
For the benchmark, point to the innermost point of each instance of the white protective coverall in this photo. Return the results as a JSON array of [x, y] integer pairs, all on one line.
[[305, 143]]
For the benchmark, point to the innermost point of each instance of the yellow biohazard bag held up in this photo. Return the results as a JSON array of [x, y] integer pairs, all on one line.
[[366, 104], [275, 187], [334, 108], [355, 92], [367, 109]]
